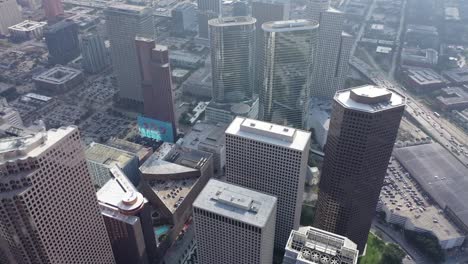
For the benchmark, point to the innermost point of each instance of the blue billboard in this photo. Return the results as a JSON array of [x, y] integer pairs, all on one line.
[[155, 129]]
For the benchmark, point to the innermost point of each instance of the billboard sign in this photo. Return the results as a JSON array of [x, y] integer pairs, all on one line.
[[155, 129]]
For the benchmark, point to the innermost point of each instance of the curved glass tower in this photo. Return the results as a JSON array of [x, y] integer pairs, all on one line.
[[232, 45], [285, 68]]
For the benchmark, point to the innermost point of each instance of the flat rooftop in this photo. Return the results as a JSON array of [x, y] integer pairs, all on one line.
[[232, 21], [370, 98], [139, 150], [290, 25], [459, 75], [107, 155], [453, 96], [126, 8], [269, 133], [424, 76], [57, 75], [206, 132], [235, 202], [28, 25], [440, 174]]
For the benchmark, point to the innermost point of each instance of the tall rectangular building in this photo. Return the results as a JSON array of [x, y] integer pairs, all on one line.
[[310, 245], [333, 50], [155, 70], [363, 128], [94, 53], [289, 50], [53, 9], [48, 207], [265, 11], [234, 225], [125, 22], [127, 215], [10, 15], [207, 9], [272, 159], [62, 42]]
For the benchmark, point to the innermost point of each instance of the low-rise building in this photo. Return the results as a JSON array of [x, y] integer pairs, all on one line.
[[185, 60], [9, 115], [419, 57], [100, 158], [422, 80], [453, 98], [457, 76], [209, 137], [184, 18], [27, 30], [310, 245], [171, 180], [319, 119], [142, 152], [199, 84], [226, 112], [58, 79]]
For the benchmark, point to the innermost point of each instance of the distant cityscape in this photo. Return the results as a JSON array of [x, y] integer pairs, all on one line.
[[233, 131]]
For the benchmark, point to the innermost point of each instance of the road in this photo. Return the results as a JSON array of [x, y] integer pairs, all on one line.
[[363, 26], [396, 49], [442, 131]]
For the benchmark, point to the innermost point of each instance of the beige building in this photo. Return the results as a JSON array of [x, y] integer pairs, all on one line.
[[10, 15], [49, 213]]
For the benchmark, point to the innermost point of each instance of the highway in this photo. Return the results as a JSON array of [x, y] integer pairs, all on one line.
[[442, 131]]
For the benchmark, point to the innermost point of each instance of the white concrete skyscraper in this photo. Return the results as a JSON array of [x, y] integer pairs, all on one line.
[[234, 225], [289, 50], [49, 213], [124, 23], [333, 50], [272, 159]]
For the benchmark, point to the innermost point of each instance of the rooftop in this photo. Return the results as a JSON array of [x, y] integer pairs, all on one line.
[[235, 202], [440, 174], [57, 75], [232, 21], [107, 155], [370, 98], [424, 76], [141, 151], [312, 243], [206, 132], [128, 9], [27, 25], [459, 75], [290, 25], [453, 96], [269, 133], [119, 194]]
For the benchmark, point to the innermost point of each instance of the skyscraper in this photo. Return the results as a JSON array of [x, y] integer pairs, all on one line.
[[158, 96], [265, 11], [289, 48], [94, 53], [48, 207], [125, 22], [363, 128], [52, 9], [207, 9], [272, 159], [62, 42], [127, 215], [10, 15], [232, 46], [310, 245], [333, 50], [234, 224], [232, 63]]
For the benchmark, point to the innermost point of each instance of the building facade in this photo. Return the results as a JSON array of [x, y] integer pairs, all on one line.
[[94, 53], [62, 42], [289, 49], [27, 30], [272, 159], [48, 210], [310, 245], [184, 18], [333, 50], [127, 216], [10, 15], [53, 9], [265, 11], [125, 22], [207, 9], [234, 224], [232, 47], [155, 69], [363, 128]]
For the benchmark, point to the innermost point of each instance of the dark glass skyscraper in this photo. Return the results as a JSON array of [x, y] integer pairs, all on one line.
[[289, 49], [363, 128], [62, 42]]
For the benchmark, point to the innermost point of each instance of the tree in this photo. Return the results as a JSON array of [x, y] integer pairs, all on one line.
[[392, 254], [427, 243]]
